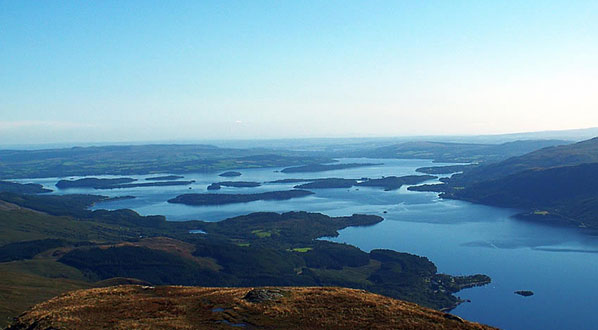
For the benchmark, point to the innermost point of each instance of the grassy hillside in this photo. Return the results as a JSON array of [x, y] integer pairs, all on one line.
[[554, 183], [568, 192], [128, 307], [556, 156]]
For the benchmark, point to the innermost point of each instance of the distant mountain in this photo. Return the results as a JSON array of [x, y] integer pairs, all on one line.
[[569, 134], [457, 152], [552, 183]]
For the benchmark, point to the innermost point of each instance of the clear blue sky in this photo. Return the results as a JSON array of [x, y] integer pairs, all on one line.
[[148, 70]]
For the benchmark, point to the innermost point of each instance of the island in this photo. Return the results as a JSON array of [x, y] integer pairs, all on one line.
[[328, 183], [524, 293], [221, 199], [325, 167], [239, 184], [445, 169], [165, 178], [92, 183], [291, 180], [236, 184], [230, 174], [118, 198], [148, 184], [394, 182], [214, 186]]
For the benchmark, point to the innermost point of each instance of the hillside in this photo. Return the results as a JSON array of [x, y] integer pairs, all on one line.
[[555, 156], [568, 193], [51, 244], [554, 183], [131, 307]]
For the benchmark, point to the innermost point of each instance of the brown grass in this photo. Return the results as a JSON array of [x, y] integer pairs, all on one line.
[[176, 307]]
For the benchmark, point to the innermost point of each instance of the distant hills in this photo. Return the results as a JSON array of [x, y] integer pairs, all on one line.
[[553, 183], [457, 152], [189, 158], [142, 159]]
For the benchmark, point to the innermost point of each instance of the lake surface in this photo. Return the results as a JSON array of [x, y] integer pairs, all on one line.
[[559, 264]]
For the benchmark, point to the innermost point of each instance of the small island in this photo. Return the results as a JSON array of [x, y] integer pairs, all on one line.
[[239, 184], [292, 180], [230, 174], [328, 183], [118, 198], [95, 183], [236, 184], [221, 199], [325, 167], [524, 293], [165, 178], [214, 186], [394, 182], [149, 184], [445, 169]]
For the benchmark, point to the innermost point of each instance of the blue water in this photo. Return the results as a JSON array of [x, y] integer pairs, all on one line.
[[560, 264]]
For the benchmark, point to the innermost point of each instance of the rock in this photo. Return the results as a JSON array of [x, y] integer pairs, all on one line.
[[453, 317], [525, 293], [262, 295]]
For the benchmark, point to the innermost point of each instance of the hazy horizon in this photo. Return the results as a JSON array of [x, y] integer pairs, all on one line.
[[292, 143], [113, 71]]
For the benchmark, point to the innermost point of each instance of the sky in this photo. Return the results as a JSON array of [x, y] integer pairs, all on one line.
[[83, 71]]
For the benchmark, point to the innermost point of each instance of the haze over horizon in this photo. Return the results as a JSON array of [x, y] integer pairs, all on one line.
[[149, 71]]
